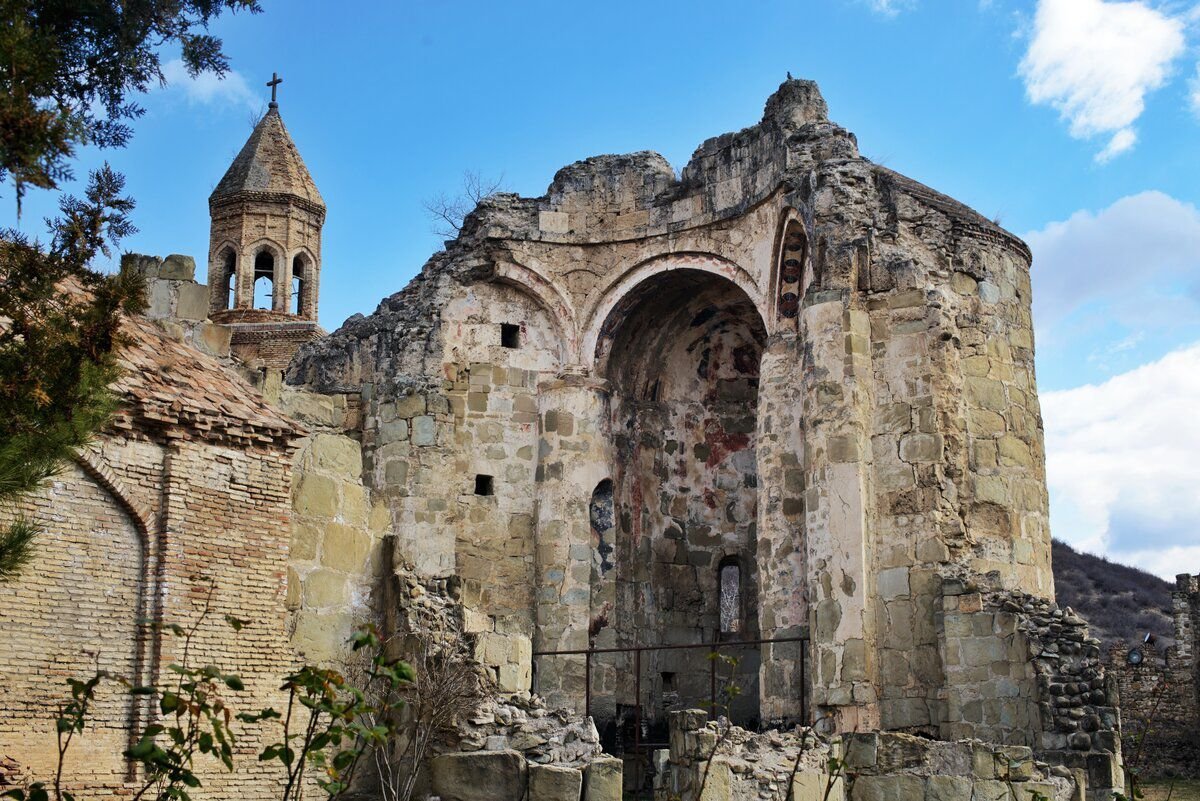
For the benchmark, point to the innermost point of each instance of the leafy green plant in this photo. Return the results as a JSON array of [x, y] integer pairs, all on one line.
[[329, 723]]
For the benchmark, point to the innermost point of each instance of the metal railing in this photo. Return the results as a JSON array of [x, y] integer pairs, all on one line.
[[714, 649]]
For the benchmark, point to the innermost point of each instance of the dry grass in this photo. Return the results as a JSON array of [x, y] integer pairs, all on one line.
[[1161, 790]]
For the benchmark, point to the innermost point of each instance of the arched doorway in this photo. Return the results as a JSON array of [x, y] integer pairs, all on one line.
[[681, 352]]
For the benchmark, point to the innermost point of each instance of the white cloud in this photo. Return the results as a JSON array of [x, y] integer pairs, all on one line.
[[1095, 61], [1122, 464], [1139, 247], [889, 8], [1121, 141], [207, 89]]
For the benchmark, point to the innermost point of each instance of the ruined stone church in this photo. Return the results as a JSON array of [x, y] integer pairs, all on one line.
[[780, 406]]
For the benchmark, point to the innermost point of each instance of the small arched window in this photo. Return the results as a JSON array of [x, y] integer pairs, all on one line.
[[226, 279], [600, 515], [729, 593], [264, 280], [231, 290], [299, 277]]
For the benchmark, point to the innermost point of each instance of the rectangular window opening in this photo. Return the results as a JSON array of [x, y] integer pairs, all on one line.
[[668, 682], [510, 335], [485, 485]]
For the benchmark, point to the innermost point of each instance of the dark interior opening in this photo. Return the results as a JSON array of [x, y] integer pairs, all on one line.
[[510, 335], [484, 485]]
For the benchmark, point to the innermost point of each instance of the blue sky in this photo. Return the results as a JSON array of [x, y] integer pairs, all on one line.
[[1075, 123]]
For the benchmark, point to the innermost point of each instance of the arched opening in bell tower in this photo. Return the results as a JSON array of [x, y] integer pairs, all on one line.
[[224, 281], [682, 353], [297, 303], [264, 280]]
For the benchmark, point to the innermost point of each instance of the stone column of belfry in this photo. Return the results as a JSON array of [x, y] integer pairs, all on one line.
[[837, 413], [574, 457]]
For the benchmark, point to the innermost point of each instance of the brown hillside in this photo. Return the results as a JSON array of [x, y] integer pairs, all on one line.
[[1119, 602]]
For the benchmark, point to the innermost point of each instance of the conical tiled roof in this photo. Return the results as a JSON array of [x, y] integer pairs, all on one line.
[[269, 163]]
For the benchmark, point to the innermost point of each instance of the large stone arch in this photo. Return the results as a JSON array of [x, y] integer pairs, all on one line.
[[548, 296], [597, 316], [681, 351]]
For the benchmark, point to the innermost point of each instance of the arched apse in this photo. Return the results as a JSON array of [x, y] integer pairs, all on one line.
[[681, 352]]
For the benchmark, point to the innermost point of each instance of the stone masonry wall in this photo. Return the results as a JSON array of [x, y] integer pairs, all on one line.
[[1160, 707], [895, 426], [1022, 671], [739, 766], [178, 302]]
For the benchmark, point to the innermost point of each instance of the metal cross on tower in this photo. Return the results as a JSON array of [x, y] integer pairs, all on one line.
[[274, 82]]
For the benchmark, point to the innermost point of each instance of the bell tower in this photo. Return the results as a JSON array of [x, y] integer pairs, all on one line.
[[264, 254]]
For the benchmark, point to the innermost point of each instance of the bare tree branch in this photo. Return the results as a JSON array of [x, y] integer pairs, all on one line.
[[447, 212]]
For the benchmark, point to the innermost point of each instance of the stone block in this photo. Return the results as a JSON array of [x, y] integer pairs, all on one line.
[[337, 454], [554, 222], [990, 790], [948, 788], [212, 339], [180, 268], [192, 303], [552, 783], [479, 776], [921, 447], [603, 780], [325, 588], [424, 431], [305, 539], [393, 431], [311, 407], [986, 393], [1033, 791], [812, 786], [159, 300], [861, 750], [345, 548], [962, 283], [316, 496], [718, 785], [513, 678], [410, 406], [888, 788], [492, 649], [395, 473], [893, 583], [320, 636], [136, 262]]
